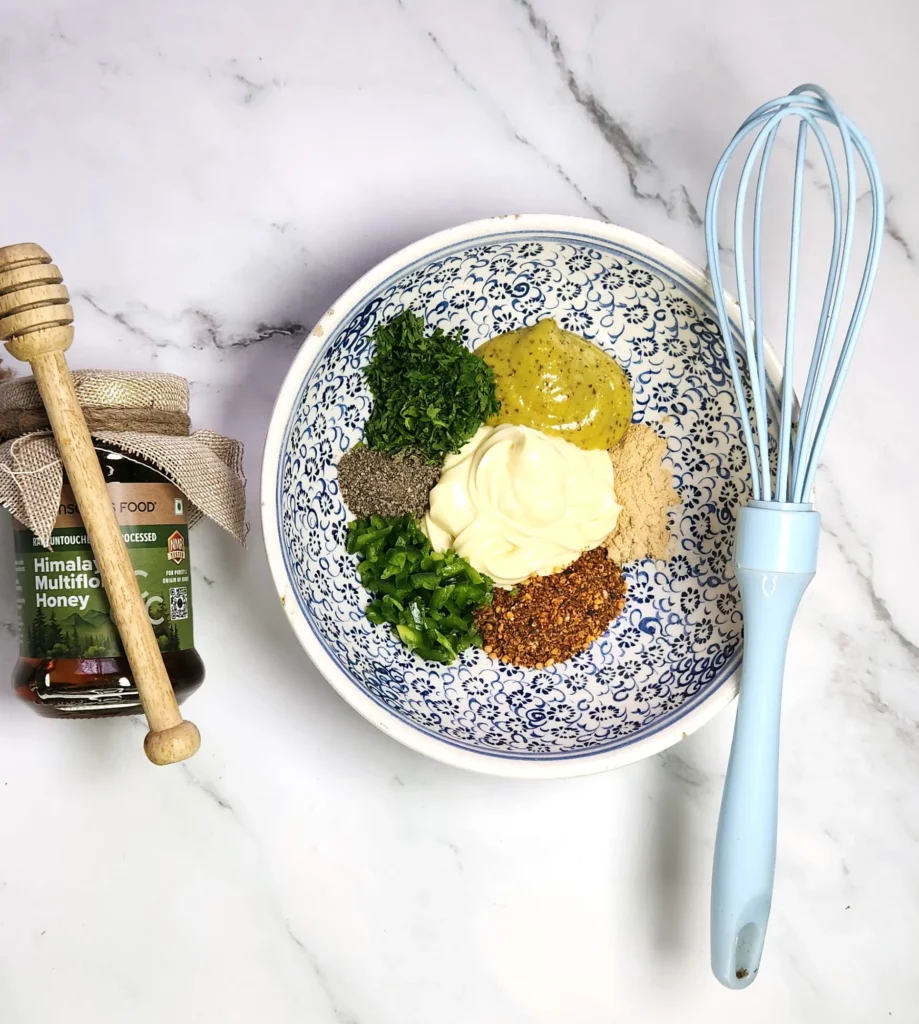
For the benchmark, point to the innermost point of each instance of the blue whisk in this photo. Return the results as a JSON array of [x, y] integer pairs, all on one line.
[[775, 554]]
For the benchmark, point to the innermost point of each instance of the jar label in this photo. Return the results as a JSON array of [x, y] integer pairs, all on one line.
[[63, 608]]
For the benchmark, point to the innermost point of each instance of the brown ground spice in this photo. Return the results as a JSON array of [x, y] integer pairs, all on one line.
[[644, 489], [550, 618]]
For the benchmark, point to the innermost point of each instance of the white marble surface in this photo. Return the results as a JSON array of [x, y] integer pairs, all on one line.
[[210, 176]]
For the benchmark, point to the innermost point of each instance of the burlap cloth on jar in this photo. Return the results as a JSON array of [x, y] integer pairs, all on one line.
[[142, 414]]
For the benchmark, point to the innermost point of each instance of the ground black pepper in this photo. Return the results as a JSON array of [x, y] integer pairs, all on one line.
[[376, 484], [548, 619]]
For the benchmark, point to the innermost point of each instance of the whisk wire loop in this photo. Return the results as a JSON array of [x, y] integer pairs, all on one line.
[[799, 445]]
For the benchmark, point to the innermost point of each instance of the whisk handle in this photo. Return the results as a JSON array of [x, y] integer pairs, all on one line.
[[775, 560]]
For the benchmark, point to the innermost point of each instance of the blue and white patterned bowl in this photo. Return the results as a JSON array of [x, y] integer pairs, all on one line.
[[668, 663]]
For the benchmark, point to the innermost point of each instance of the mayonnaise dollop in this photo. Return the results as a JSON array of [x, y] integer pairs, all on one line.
[[515, 502]]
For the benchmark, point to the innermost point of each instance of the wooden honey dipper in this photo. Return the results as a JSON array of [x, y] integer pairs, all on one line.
[[36, 323]]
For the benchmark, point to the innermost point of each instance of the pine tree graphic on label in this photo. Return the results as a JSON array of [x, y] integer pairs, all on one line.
[[38, 634]]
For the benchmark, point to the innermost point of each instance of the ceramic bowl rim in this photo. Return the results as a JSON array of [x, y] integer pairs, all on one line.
[[422, 742]]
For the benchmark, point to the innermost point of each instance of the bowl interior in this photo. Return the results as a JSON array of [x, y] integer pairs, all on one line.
[[679, 638]]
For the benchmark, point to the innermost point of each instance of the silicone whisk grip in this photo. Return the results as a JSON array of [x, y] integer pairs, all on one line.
[[745, 846]]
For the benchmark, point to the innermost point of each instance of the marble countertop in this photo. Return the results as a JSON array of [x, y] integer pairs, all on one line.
[[210, 177]]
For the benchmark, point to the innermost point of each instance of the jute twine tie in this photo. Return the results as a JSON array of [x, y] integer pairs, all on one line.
[[140, 414]]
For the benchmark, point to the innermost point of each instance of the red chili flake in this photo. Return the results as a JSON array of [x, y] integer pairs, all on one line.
[[548, 619]]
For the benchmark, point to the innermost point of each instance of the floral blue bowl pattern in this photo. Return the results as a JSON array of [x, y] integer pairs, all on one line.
[[680, 634]]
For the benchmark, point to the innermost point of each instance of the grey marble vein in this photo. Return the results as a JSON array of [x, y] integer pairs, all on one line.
[[682, 770], [630, 150], [207, 788], [691, 212], [341, 1015], [865, 574], [210, 332], [499, 113], [891, 228], [252, 89], [865, 688], [121, 319], [894, 233]]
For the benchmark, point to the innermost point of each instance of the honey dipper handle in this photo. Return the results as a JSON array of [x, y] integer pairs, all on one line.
[[36, 320]]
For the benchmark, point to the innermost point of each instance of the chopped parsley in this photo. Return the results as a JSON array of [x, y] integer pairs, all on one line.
[[430, 393]]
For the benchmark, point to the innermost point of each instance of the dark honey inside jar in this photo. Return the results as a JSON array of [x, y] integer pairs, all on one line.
[[72, 664]]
